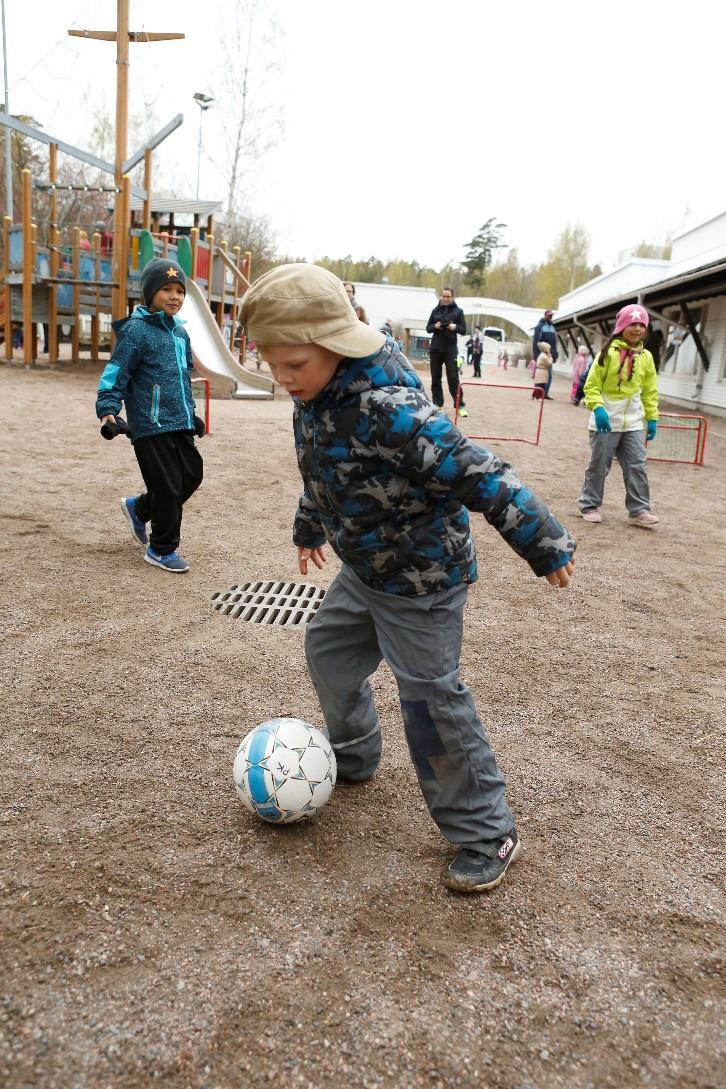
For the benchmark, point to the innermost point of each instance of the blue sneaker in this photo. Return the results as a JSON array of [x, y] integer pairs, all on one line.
[[172, 563], [138, 528]]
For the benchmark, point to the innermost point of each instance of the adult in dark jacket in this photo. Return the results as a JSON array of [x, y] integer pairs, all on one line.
[[546, 331], [446, 323]]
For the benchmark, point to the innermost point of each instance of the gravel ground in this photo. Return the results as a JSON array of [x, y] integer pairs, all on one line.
[[154, 932]]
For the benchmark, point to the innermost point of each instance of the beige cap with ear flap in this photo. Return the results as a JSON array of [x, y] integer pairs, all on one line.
[[306, 304]]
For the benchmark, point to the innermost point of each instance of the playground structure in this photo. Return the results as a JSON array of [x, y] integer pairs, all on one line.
[[53, 280]]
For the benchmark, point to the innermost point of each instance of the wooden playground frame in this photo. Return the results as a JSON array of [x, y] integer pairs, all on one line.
[[58, 282]]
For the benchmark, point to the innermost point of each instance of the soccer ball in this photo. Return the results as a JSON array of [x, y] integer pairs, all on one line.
[[284, 770]]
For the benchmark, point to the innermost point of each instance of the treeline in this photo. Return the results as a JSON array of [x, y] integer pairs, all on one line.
[[567, 265]]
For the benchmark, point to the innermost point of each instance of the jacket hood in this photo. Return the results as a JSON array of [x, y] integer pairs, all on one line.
[[386, 368]]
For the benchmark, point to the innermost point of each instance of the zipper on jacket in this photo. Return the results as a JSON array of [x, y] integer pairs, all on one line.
[[155, 396], [180, 367]]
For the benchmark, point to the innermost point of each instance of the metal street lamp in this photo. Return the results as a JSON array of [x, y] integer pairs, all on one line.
[[8, 134], [204, 102]]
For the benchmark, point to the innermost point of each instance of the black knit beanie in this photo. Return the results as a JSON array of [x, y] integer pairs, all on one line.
[[159, 272]]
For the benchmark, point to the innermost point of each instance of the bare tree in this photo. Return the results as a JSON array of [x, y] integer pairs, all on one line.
[[252, 42]]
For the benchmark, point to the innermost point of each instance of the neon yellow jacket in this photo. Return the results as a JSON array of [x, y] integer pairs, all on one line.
[[627, 401]]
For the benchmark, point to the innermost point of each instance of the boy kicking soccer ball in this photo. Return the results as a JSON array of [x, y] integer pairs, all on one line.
[[388, 483]]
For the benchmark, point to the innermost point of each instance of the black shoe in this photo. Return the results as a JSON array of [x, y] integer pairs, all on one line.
[[476, 869]]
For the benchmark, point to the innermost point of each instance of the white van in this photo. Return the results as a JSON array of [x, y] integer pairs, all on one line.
[[494, 333]]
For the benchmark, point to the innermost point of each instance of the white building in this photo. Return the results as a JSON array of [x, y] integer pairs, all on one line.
[[409, 309], [686, 300]]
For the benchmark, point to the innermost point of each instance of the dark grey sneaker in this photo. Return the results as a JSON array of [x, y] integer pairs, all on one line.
[[476, 869]]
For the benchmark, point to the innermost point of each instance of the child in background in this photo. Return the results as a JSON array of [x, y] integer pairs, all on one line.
[[579, 367], [581, 385], [622, 392], [477, 350], [149, 372], [542, 369], [388, 482]]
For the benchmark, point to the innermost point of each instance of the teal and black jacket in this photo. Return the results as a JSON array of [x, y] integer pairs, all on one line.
[[389, 481], [149, 371]]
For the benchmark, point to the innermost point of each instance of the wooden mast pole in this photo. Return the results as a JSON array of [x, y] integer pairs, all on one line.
[[28, 331], [120, 228], [53, 243], [123, 37]]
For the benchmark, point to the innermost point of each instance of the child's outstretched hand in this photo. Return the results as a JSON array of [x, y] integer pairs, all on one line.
[[315, 554], [561, 577]]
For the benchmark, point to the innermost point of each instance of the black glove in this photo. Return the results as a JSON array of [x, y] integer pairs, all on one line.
[[199, 427], [118, 427]]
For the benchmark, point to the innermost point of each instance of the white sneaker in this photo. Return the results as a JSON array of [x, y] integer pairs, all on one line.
[[644, 519], [592, 515]]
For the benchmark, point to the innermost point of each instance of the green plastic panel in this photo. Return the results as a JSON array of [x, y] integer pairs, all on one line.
[[146, 249], [184, 254]]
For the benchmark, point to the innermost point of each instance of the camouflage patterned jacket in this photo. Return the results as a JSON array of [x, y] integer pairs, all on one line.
[[388, 480]]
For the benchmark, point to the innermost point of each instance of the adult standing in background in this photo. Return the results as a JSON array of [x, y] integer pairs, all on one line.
[[445, 324], [654, 342], [546, 331], [350, 292]]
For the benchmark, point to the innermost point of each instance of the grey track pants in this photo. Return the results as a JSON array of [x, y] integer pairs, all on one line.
[[420, 639], [629, 447]]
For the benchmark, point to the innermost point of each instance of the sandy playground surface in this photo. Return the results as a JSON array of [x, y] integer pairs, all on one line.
[[155, 933]]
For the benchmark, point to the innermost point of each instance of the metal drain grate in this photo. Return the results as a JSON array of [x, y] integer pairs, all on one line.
[[288, 604]]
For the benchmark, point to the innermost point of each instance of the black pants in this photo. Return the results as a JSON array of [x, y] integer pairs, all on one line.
[[477, 366], [438, 361], [172, 469]]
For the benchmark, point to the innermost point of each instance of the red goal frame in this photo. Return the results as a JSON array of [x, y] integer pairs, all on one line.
[[536, 393], [699, 425]]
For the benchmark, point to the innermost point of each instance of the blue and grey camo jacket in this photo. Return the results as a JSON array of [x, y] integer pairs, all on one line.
[[388, 480], [149, 371]]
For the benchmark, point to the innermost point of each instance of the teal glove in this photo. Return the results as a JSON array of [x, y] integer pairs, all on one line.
[[602, 420], [652, 428]]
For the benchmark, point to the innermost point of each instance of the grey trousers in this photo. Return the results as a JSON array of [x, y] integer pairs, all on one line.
[[420, 639], [629, 447]]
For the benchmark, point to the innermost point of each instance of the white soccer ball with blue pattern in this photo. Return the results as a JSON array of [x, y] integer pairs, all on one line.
[[284, 770]]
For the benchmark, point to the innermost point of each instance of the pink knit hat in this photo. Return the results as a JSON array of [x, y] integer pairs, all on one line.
[[629, 315]]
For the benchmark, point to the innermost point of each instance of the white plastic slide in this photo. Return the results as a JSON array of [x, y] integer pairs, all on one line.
[[212, 357]]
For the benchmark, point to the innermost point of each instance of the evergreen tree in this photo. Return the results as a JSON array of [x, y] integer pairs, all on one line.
[[480, 252]]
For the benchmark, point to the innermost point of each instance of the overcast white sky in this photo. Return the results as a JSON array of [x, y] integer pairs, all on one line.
[[408, 123]]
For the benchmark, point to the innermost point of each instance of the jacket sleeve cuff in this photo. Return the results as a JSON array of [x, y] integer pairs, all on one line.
[[306, 535], [107, 408]]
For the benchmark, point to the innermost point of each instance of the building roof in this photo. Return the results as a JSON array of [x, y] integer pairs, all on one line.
[[166, 205], [695, 272], [695, 285]]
